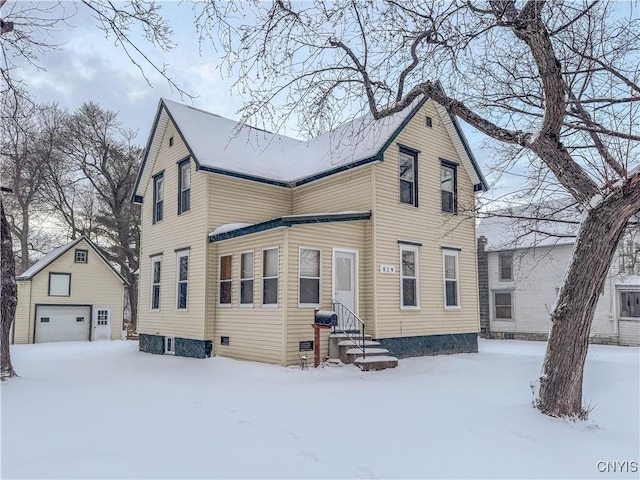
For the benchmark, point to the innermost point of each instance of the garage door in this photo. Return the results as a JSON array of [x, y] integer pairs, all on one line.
[[62, 324]]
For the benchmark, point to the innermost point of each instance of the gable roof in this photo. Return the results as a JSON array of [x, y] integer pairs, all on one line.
[[223, 146], [56, 253]]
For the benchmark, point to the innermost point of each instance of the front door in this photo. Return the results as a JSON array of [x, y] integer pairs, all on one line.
[[102, 324], [345, 286]]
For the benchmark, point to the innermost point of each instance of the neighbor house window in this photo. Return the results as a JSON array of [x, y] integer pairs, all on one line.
[[505, 266], [226, 265], [156, 270], [451, 287], [59, 284], [270, 276], [448, 186], [184, 186], [409, 276], [158, 197], [503, 305], [182, 279], [309, 279], [408, 177], [81, 256], [246, 278], [630, 304]]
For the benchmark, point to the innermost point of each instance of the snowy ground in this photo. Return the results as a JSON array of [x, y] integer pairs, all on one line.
[[104, 410]]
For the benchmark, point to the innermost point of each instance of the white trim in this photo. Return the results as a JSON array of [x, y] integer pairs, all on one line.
[[229, 280], [252, 278], [453, 253], [319, 278], [179, 255], [263, 278], [356, 280], [172, 349], [415, 250], [156, 259]]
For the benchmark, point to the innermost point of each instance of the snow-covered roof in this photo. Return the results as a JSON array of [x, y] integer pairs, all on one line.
[[54, 254], [628, 281], [221, 145]]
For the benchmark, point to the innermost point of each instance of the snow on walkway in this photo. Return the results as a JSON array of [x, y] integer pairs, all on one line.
[[105, 410]]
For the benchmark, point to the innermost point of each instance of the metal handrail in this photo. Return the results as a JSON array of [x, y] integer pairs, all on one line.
[[350, 322]]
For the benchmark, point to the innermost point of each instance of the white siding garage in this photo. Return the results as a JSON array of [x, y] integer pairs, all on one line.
[[62, 323]]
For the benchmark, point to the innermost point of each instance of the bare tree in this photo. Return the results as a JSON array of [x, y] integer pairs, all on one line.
[[8, 293], [556, 82]]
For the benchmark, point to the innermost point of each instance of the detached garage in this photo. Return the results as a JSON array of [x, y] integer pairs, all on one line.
[[72, 294]]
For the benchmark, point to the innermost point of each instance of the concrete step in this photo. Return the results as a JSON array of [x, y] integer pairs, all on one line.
[[336, 338], [353, 353], [377, 362]]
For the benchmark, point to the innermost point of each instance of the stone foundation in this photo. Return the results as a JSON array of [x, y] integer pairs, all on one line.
[[184, 347], [404, 347]]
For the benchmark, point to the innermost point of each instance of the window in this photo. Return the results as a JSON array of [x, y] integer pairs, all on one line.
[[451, 290], [409, 277], [309, 280], [170, 345], [630, 304], [429, 122], [182, 279], [246, 278], [158, 197], [44, 319], [226, 262], [448, 186], [270, 276], [408, 177], [156, 271], [81, 256], [171, 141], [59, 284], [503, 308], [81, 319], [102, 316], [505, 266], [184, 186]]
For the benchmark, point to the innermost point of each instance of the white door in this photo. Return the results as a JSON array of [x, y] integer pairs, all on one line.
[[62, 323], [345, 286], [102, 324]]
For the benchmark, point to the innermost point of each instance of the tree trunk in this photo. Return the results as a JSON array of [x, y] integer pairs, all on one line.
[[8, 296], [600, 232]]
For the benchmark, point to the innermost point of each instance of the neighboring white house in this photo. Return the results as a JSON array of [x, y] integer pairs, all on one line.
[[72, 294], [520, 272]]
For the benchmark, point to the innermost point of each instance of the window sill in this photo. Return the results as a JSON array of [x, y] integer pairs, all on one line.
[[225, 305], [411, 309], [457, 307], [308, 305], [246, 305], [182, 310], [270, 305]]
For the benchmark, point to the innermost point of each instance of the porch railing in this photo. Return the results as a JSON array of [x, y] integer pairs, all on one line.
[[349, 324]]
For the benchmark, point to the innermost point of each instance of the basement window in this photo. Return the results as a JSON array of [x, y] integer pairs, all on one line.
[[169, 345]]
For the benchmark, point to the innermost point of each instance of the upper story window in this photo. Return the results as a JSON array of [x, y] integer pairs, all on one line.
[[158, 197], [449, 186], [505, 266], [451, 279], [409, 277], [408, 161], [59, 284], [270, 276], [246, 278], [182, 283], [81, 256], [156, 270], [226, 266], [309, 280], [184, 186]]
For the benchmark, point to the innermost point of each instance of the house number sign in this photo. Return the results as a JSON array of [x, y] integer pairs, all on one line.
[[387, 269]]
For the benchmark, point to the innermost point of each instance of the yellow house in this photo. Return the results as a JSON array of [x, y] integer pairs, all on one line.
[[72, 294], [246, 233]]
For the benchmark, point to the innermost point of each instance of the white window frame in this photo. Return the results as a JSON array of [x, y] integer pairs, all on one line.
[[413, 156], [453, 253], [414, 249], [319, 278], [184, 167], [158, 197], [156, 259], [98, 319], [494, 305], [246, 279], [619, 292], [53, 275], [170, 345], [277, 277], [501, 256], [179, 255], [81, 252], [226, 280]]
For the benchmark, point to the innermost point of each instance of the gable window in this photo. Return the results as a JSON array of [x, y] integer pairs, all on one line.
[[171, 141], [182, 284], [448, 186], [226, 262], [451, 284], [158, 197], [505, 266], [156, 270], [246, 278], [81, 256], [408, 161], [409, 277], [184, 186], [503, 306], [270, 276], [309, 280], [630, 304], [59, 284]]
